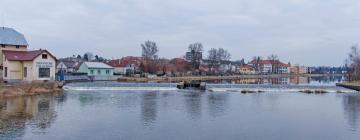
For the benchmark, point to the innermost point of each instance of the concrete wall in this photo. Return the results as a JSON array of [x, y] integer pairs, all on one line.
[[14, 70]]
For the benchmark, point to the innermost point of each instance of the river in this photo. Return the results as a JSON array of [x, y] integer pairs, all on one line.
[[153, 111]]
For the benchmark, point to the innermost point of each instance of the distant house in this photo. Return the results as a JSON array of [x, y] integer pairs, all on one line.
[[270, 66], [126, 66], [118, 67], [96, 69], [245, 69], [18, 64], [299, 70], [67, 66]]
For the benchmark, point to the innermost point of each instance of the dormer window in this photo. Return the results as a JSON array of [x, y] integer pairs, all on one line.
[[17, 46], [44, 56]]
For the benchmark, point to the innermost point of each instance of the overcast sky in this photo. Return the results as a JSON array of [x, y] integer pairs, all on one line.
[[308, 32]]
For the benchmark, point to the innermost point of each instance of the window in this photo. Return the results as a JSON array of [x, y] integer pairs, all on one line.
[[44, 56], [107, 71], [5, 72], [44, 72], [91, 71], [25, 71], [99, 71], [17, 46]]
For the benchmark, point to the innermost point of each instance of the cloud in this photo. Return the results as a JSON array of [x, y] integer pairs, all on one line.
[[309, 32]]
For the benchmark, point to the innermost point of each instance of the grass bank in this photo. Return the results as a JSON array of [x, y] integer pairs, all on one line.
[[28, 89]]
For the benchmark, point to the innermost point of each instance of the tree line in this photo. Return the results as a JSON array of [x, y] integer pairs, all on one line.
[[215, 57]]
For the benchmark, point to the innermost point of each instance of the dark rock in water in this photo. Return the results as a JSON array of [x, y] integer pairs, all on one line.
[[192, 85], [318, 91], [339, 91], [307, 91], [248, 91]]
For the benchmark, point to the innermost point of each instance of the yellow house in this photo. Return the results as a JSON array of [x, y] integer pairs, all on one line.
[[18, 64]]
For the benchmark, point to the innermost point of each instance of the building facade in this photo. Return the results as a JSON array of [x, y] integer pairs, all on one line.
[[270, 66], [67, 66], [96, 69], [18, 64], [245, 69]]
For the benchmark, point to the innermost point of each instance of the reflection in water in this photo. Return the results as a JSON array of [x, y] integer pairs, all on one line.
[[193, 104], [352, 110], [35, 111], [149, 108], [295, 80], [328, 79], [217, 104]]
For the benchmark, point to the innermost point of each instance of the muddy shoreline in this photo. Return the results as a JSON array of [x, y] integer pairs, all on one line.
[[29, 89]]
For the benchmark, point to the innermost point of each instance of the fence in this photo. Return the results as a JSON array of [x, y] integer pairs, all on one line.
[[74, 78]]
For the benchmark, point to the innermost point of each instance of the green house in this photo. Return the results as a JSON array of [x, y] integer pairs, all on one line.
[[96, 69]]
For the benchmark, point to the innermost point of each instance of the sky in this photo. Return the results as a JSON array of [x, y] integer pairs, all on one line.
[[305, 32]]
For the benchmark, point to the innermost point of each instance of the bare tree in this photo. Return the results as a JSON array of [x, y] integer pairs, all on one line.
[[196, 47], [212, 58], [257, 60], [354, 63], [149, 50], [196, 54], [216, 57], [223, 55], [274, 59]]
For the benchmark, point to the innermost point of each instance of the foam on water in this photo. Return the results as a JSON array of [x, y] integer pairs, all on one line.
[[211, 87]]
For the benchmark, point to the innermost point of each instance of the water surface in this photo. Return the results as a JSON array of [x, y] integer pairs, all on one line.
[[95, 113]]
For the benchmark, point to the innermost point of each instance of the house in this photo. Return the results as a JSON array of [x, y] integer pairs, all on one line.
[[126, 66], [28, 65], [96, 69], [299, 70], [270, 66], [19, 64], [67, 66], [245, 69]]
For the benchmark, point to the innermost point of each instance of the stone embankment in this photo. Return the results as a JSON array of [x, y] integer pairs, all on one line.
[[354, 85], [27, 89]]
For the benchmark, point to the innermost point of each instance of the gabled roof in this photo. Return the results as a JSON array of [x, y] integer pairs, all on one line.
[[97, 65], [70, 64], [24, 55], [125, 61], [9, 36], [115, 63]]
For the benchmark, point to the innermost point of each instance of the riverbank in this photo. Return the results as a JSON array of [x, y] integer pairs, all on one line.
[[210, 78], [354, 85], [28, 89]]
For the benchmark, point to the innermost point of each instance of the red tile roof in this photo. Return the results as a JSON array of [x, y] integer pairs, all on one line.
[[115, 63], [179, 60], [23, 55], [125, 61]]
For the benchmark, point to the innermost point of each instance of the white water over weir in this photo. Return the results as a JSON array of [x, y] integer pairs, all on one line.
[[210, 87]]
